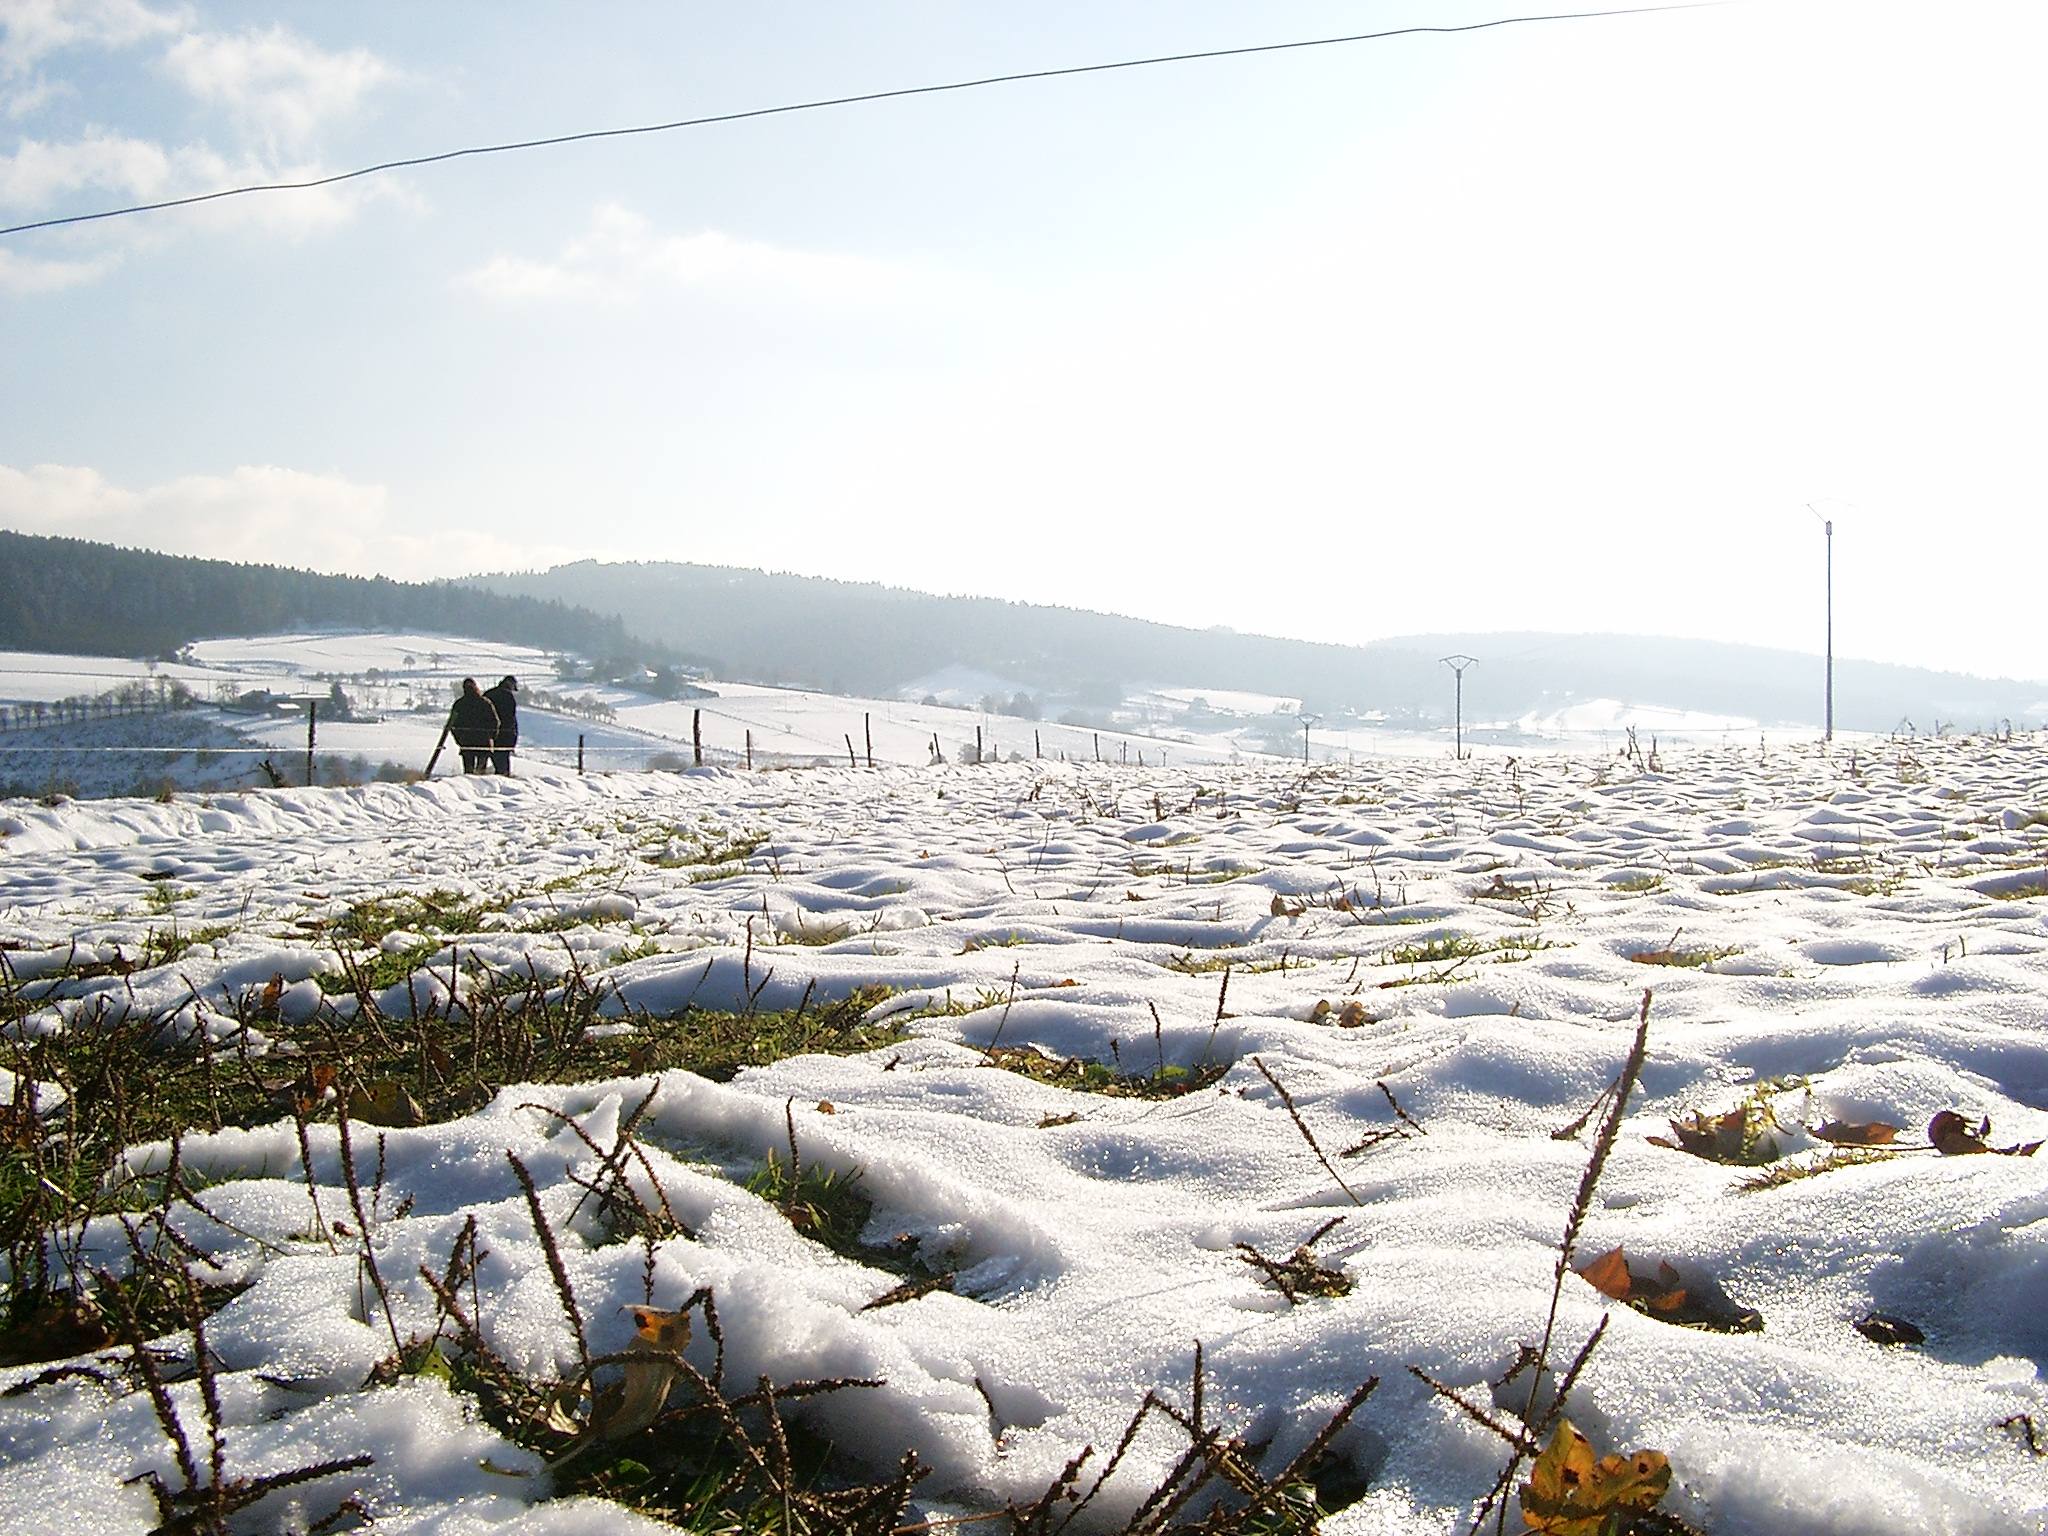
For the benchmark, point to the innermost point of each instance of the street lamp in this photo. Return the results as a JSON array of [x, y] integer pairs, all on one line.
[[1828, 527], [1458, 664]]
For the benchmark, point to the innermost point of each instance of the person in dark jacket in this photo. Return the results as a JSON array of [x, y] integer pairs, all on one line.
[[505, 700], [474, 724]]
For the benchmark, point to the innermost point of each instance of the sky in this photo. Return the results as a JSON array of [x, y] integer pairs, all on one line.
[[1573, 325]]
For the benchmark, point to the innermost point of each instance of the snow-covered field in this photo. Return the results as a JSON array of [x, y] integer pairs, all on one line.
[[401, 684], [1436, 961]]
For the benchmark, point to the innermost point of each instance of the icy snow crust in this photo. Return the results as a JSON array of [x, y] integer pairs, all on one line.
[[1880, 943]]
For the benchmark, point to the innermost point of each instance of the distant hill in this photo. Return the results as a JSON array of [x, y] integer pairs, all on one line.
[[95, 599], [861, 637]]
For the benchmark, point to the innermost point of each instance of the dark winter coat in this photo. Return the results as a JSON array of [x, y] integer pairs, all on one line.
[[473, 722], [506, 703]]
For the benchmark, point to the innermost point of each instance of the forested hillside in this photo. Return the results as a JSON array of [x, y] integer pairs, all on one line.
[[72, 595], [863, 637]]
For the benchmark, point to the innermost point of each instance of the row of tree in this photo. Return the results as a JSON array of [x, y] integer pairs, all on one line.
[[136, 698]]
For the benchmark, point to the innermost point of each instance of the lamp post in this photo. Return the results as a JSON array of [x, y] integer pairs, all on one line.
[[1828, 527], [1458, 664]]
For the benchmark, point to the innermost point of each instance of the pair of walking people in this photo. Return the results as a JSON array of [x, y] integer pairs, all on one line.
[[485, 725]]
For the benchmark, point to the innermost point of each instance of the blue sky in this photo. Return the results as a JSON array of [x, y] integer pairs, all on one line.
[[1555, 326]]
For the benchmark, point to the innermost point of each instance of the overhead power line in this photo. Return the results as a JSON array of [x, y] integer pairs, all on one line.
[[842, 101]]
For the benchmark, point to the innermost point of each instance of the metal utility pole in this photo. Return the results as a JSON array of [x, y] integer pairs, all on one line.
[[1306, 722], [1828, 527], [1458, 664]]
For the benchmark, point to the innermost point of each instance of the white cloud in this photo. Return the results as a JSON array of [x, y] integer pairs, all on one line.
[[31, 274], [17, 102], [39, 172], [623, 257], [33, 29], [260, 513], [276, 85]]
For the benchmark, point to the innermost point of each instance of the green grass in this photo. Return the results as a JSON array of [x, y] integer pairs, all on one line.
[[126, 1083], [1639, 885], [824, 1204], [1090, 1076], [1686, 959], [1457, 946], [1191, 964]]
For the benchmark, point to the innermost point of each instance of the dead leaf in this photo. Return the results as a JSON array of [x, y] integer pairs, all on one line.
[[1739, 1136], [1880, 1328], [1320, 1012], [827, 1107], [1951, 1136], [1570, 1492], [1282, 907], [1608, 1274], [385, 1102], [316, 1087], [1843, 1133], [1669, 1296], [635, 1400], [1351, 1015]]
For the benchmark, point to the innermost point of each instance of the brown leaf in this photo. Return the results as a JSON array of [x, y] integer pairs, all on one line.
[[1844, 1133], [1351, 1015], [316, 1087], [1880, 1328], [1668, 1296], [632, 1403], [1608, 1274], [1282, 907], [827, 1107], [1952, 1137], [1739, 1136], [1570, 1492], [385, 1102]]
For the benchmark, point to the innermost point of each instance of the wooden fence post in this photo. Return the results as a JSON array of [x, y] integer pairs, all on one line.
[[579, 751], [977, 744], [1037, 749], [849, 751], [312, 715], [1098, 746], [697, 736], [750, 751], [867, 725]]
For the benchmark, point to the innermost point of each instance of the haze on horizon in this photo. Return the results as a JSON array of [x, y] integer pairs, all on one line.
[[1554, 327]]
